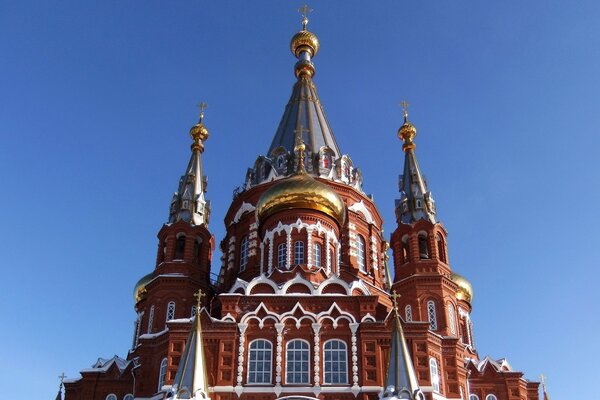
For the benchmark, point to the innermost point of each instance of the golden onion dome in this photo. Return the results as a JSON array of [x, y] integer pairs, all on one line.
[[464, 290], [407, 132], [139, 292], [304, 41], [301, 191]]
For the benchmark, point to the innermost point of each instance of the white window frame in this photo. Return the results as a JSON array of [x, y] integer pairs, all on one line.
[[473, 397], [298, 252], [150, 319], [432, 315], [434, 372], [162, 373], [408, 313], [292, 367], [491, 396], [317, 251], [266, 363], [282, 255], [452, 319], [329, 366], [170, 311], [111, 396], [244, 250], [128, 396], [360, 254]]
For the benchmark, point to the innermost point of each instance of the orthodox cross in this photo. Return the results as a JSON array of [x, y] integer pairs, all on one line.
[[304, 11], [404, 104], [199, 295], [202, 106], [395, 297], [62, 378]]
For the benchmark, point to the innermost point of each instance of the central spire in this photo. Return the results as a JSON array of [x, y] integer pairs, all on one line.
[[304, 107]]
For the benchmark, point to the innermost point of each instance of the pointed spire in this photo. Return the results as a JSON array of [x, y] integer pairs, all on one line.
[[416, 202], [304, 107], [191, 380], [401, 380], [189, 202], [60, 386], [543, 379]]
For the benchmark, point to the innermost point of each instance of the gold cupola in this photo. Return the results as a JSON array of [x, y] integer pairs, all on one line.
[[407, 131], [139, 291], [464, 290], [301, 191]]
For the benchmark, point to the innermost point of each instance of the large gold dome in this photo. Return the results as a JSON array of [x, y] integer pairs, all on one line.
[[304, 41], [465, 289], [139, 292], [301, 191]]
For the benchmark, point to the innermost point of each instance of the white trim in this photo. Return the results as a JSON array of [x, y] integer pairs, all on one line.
[[359, 207], [244, 208]]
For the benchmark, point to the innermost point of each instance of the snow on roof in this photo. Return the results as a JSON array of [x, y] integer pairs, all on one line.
[[103, 364], [154, 335]]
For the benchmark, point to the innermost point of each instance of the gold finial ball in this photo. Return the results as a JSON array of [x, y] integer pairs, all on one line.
[[407, 132], [304, 41], [199, 132], [300, 148]]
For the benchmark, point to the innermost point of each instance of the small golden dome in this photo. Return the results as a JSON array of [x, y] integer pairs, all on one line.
[[139, 292], [301, 191], [303, 41], [464, 290], [407, 133]]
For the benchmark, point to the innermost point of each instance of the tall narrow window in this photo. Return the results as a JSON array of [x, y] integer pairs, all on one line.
[[360, 253], [150, 319], [179, 247], [408, 313], [317, 254], [491, 397], [451, 319], [336, 362], [281, 255], [170, 310], [405, 250], [244, 254], [435, 375], [432, 315], [259, 361], [197, 248], [297, 361], [423, 247], [128, 397], [298, 252], [162, 373], [441, 248], [111, 396], [473, 397]]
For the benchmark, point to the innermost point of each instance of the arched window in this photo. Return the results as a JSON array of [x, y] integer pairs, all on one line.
[[298, 252], [435, 375], [473, 397], [432, 315], [281, 255], [244, 247], [170, 310], [423, 247], [336, 362], [111, 396], [452, 319], [491, 397], [408, 313], [128, 397], [162, 373], [317, 254], [197, 248], [360, 253], [405, 249], [259, 361], [297, 361], [180, 247], [150, 319], [441, 248]]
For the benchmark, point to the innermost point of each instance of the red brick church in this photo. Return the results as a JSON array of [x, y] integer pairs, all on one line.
[[306, 304]]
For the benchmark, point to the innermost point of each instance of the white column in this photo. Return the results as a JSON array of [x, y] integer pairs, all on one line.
[[270, 261], [328, 252], [317, 358], [262, 258], [289, 249], [355, 387], [309, 252], [240, 367], [278, 358]]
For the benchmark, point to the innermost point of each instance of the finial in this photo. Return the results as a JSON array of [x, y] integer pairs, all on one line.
[[543, 379], [304, 11], [300, 148], [199, 295], [407, 131], [395, 297], [199, 133], [62, 378]]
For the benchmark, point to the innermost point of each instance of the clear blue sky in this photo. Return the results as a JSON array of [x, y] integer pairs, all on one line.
[[97, 99]]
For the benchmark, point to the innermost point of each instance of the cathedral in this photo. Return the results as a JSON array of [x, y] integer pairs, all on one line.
[[307, 304]]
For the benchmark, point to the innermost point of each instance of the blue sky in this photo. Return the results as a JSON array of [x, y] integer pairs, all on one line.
[[97, 99]]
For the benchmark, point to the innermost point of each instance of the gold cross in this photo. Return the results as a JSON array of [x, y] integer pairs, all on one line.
[[304, 11], [395, 297], [202, 106], [199, 295], [299, 132], [404, 104]]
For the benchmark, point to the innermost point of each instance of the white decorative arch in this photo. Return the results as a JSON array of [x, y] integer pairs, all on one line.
[[368, 318], [261, 279], [297, 279], [334, 279], [359, 207], [239, 284], [360, 285]]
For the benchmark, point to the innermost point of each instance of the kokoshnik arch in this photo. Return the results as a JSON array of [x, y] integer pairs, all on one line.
[[301, 308]]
